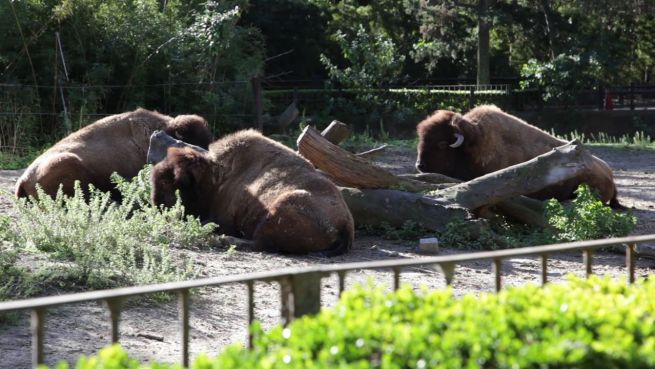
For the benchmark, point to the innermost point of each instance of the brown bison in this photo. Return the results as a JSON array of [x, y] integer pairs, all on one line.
[[256, 188], [118, 143], [486, 139]]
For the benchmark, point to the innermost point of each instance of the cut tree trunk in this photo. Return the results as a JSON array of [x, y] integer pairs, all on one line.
[[336, 132], [560, 164], [520, 208], [348, 170], [393, 207]]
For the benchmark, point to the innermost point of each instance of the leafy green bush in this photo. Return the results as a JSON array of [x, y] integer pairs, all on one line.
[[596, 323], [563, 78], [584, 218], [587, 218], [94, 242]]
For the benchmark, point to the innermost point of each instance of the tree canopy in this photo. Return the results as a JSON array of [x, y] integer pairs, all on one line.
[[140, 52]]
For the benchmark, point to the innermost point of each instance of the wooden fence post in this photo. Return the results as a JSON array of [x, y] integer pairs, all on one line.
[[306, 294], [472, 97], [258, 108]]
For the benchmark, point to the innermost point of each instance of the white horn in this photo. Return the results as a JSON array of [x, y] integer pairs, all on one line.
[[459, 141]]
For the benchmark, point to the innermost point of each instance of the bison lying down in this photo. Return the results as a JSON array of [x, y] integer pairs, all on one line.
[[256, 188], [117, 143], [486, 139]]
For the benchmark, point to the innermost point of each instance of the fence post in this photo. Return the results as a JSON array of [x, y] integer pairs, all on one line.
[[306, 293], [258, 107], [632, 96], [472, 97]]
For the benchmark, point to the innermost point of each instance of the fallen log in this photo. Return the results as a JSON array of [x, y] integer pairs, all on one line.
[[348, 170], [520, 208], [560, 164], [375, 207], [336, 132]]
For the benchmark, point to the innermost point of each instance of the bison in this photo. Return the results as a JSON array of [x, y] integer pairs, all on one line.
[[486, 139], [118, 143], [256, 188]]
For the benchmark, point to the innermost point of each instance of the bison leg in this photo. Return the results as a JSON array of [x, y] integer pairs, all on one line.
[[60, 169]]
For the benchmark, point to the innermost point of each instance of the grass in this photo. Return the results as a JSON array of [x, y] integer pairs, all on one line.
[[86, 241], [20, 160], [638, 141]]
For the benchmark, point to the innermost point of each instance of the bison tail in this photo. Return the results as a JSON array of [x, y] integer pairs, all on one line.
[[615, 204], [342, 244]]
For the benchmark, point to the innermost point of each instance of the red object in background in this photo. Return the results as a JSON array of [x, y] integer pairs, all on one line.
[[609, 104]]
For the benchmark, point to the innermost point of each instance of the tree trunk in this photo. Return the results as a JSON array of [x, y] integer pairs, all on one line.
[[336, 132], [520, 208], [558, 165], [347, 169], [483, 43], [393, 207]]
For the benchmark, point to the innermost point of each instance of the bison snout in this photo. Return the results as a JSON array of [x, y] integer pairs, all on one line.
[[420, 166]]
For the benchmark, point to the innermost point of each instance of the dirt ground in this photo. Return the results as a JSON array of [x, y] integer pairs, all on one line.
[[218, 315]]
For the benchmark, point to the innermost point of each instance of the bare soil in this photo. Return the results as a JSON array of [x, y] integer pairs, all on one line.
[[219, 315]]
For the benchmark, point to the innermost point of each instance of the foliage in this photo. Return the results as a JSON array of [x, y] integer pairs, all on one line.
[[639, 140], [595, 323], [372, 57], [584, 218], [587, 218], [90, 241], [410, 230], [125, 54], [563, 78]]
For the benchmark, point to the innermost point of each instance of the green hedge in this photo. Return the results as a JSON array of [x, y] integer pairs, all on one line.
[[596, 323]]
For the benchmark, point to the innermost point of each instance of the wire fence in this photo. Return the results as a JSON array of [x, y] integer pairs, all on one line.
[[31, 115]]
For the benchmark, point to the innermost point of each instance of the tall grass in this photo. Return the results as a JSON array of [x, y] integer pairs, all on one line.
[[87, 241], [639, 140]]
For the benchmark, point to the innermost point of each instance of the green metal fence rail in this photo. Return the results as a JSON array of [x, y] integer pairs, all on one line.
[[300, 287]]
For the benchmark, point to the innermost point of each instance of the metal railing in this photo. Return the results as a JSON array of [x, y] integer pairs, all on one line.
[[300, 287]]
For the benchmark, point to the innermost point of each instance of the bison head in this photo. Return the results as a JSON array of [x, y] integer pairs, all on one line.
[[191, 129], [442, 143], [185, 170]]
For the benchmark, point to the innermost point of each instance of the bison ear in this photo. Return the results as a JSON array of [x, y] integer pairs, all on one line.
[[191, 167]]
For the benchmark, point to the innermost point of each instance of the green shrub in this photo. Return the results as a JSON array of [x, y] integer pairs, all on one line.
[[587, 218], [584, 218], [596, 323], [88, 240]]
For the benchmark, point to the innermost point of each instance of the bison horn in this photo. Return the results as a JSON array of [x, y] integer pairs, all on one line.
[[159, 144], [459, 140]]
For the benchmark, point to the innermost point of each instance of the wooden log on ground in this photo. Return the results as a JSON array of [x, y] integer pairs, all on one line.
[[336, 132], [347, 169], [375, 207], [558, 165], [520, 208]]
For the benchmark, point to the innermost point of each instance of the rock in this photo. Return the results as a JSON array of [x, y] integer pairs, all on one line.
[[428, 245]]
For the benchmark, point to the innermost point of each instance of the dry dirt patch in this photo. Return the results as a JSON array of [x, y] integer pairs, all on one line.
[[218, 315]]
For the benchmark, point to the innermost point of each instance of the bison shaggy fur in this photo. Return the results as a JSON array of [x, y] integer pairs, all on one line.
[[118, 143], [493, 140], [256, 188]]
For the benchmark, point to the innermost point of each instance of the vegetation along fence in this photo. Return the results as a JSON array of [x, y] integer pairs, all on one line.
[[301, 287], [34, 115]]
